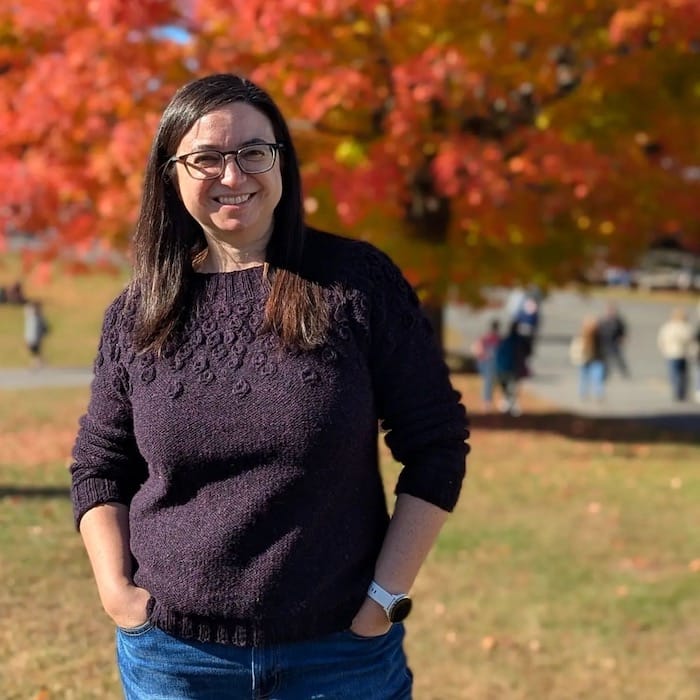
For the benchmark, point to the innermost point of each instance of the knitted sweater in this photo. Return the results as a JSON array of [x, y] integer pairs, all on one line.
[[251, 472]]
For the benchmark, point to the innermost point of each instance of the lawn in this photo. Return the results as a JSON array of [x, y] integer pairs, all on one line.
[[570, 569], [73, 305]]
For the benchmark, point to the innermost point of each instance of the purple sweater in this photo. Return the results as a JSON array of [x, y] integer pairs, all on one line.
[[256, 504]]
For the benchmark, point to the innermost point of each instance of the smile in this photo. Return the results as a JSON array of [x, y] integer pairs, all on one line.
[[238, 199]]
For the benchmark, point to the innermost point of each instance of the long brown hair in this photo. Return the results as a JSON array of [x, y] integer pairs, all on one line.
[[167, 237], [589, 334]]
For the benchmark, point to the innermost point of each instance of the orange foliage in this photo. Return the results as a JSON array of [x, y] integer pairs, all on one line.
[[461, 135]]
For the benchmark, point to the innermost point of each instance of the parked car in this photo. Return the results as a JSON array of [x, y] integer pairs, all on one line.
[[668, 278]]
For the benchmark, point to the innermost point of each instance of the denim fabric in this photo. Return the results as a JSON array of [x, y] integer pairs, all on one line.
[[592, 380], [678, 377], [342, 666], [487, 370]]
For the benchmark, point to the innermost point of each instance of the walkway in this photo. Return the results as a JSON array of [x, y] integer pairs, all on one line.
[[645, 394], [45, 377]]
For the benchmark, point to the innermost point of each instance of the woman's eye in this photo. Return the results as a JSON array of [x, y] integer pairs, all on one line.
[[254, 153], [205, 160]]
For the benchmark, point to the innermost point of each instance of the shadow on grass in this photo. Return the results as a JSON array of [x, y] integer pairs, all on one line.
[[672, 428], [18, 491]]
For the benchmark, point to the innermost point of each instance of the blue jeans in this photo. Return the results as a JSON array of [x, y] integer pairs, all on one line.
[[591, 380], [678, 377], [154, 665], [487, 370]]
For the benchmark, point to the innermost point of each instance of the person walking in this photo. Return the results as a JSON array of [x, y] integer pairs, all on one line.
[[225, 477], [674, 339], [697, 361], [484, 351], [695, 352], [510, 369], [528, 323], [592, 376], [612, 331], [35, 330]]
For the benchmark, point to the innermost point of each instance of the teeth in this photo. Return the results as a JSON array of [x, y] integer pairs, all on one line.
[[239, 199]]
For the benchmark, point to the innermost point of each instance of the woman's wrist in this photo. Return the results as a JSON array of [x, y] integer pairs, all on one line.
[[370, 620], [126, 605]]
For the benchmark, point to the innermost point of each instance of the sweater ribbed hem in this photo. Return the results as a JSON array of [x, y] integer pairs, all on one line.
[[255, 632], [91, 492]]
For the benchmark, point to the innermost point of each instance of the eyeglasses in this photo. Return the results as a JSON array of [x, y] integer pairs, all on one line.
[[210, 165]]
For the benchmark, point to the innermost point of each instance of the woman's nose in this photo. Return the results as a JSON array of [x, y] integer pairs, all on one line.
[[232, 171]]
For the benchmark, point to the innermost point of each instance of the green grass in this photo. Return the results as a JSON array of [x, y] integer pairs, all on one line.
[[570, 568], [74, 305]]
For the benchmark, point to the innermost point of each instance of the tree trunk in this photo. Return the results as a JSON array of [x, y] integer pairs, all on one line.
[[428, 219]]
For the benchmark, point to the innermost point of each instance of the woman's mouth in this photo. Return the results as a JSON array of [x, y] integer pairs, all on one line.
[[232, 200]]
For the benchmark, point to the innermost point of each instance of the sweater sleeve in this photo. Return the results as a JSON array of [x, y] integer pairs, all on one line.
[[426, 425], [107, 466]]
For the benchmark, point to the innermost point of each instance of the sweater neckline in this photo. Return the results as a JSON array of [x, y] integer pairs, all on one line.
[[235, 284], [231, 272]]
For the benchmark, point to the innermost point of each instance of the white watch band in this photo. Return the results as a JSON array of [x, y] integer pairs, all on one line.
[[380, 595]]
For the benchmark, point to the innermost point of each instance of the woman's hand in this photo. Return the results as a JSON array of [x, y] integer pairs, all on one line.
[[127, 606], [370, 621]]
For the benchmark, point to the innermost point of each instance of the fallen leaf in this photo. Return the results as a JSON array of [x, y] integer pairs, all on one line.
[[488, 643]]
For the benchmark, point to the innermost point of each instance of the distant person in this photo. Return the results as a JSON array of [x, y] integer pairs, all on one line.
[[35, 329], [697, 363], [675, 339], [484, 350], [590, 360], [509, 365], [697, 356], [15, 294], [514, 302], [612, 330], [527, 322]]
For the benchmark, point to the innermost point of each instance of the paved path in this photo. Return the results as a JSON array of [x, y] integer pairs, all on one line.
[[645, 394], [45, 377]]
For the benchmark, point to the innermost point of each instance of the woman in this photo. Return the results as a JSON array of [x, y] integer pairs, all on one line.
[[592, 374], [484, 350], [225, 477]]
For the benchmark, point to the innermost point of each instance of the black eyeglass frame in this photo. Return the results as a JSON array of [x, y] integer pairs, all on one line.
[[276, 147]]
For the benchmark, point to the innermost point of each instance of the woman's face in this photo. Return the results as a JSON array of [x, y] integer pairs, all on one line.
[[235, 208]]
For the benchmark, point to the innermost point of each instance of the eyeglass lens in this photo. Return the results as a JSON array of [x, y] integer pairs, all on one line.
[[256, 158]]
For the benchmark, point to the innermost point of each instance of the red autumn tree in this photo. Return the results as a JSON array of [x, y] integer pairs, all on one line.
[[478, 141], [81, 88]]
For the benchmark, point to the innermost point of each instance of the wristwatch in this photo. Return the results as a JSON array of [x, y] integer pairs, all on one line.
[[396, 605]]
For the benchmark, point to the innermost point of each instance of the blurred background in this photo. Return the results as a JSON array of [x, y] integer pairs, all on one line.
[[480, 143], [499, 151]]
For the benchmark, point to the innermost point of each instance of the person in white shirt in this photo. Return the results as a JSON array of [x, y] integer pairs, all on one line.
[[675, 339]]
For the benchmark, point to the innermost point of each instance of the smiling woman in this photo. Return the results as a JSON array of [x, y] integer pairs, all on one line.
[[226, 478]]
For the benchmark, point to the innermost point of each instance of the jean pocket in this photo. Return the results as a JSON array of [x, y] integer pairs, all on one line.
[[362, 638], [138, 630]]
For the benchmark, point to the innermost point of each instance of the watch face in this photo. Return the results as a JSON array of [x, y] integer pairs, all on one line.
[[400, 609]]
